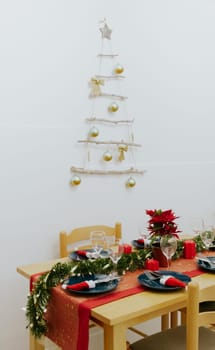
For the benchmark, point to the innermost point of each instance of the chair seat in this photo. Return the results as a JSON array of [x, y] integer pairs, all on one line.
[[175, 339]]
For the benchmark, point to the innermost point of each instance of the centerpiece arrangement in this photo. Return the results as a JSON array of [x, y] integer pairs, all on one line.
[[163, 234]]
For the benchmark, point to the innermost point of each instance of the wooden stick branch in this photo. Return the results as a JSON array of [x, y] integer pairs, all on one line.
[[109, 77], [117, 97], [107, 55], [94, 119], [111, 143], [106, 172]]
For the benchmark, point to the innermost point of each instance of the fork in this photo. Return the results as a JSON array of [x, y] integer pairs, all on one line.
[[152, 275]]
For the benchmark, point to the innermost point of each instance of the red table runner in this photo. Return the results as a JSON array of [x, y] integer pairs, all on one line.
[[68, 314]]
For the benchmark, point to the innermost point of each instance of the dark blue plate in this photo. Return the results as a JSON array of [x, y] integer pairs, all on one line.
[[100, 287], [137, 245], [155, 284], [212, 246], [76, 257], [205, 266]]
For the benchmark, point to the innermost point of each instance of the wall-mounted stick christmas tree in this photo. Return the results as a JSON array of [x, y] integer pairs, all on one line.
[[108, 117]]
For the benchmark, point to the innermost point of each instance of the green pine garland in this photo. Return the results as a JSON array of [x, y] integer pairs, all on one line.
[[38, 299]]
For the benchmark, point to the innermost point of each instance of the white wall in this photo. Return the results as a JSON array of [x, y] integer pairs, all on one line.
[[48, 53]]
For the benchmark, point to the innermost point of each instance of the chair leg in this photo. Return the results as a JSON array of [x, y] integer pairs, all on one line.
[[35, 344], [174, 319], [183, 316], [165, 322], [169, 320], [128, 346]]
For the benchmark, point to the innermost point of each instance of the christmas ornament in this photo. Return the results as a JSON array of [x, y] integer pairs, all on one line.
[[95, 87], [122, 149], [113, 107], [94, 132], [130, 182], [107, 156], [118, 69], [75, 180], [106, 32]]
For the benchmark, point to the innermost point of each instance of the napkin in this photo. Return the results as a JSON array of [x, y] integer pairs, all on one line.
[[171, 281], [140, 241], [144, 242], [86, 254], [80, 286]]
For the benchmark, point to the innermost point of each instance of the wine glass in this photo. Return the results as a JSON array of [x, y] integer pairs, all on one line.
[[197, 225], [207, 236], [97, 240], [168, 244], [115, 255]]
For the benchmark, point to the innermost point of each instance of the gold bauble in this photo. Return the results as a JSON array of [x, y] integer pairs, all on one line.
[[107, 156], [113, 107], [118, 69], [130, 182], [75, 180], [94, 132]]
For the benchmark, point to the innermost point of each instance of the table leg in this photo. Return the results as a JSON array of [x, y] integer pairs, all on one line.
[[114, 337]]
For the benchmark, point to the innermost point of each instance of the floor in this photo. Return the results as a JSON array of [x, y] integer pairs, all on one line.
[[96, 336]]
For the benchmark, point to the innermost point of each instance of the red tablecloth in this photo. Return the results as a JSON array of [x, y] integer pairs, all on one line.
[[68, 315]]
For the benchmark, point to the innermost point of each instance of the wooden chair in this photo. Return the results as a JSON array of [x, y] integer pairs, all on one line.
[[195, 335], [82, 236], [67, 242]]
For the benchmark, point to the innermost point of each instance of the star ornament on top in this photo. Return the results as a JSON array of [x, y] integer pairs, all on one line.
[[106, 32]]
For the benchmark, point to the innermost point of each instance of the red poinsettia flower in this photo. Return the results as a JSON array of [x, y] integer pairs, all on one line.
[[162, 222]]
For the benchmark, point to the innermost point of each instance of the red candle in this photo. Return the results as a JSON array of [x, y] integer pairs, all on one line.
[[152, 264], [189, 249], [126, 248]]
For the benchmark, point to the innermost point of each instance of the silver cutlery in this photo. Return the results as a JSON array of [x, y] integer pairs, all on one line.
[[152, 275], [207, 261], [107, 279]]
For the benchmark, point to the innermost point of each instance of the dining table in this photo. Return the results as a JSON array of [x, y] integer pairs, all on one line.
[[134, 304]]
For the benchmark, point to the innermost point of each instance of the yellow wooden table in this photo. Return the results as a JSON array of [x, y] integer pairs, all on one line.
[[115, 317]]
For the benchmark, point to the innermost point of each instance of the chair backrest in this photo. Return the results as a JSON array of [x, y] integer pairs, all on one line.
[[82, 234], [195, 318]]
